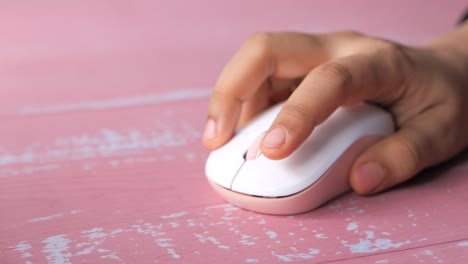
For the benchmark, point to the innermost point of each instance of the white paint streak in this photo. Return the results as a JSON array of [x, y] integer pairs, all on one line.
[[172, 252], [312, 252], [321, 236], [112, 256], [104, 143], [39, 168], [352, 226], [26, 169], [251, 260], [95, 237], [115, 103], [174, 224], [463, 244], [216, 223], [174, 215], [160, 240], [382, 261], [245, 240], [190, 156], [203, 239], [164, 242], [231, 208], [428, 252], [369, 244], [116, 231], [219, 206], [45, 218], [56, 249], [369, 234], [23, 247], [271, 234]]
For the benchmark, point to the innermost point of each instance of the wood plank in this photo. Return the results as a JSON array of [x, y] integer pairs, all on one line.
[[129, 186]]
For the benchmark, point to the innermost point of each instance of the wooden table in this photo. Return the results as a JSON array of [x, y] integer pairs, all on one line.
[[102, 108]]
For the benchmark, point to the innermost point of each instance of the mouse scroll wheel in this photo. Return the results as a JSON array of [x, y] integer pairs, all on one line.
[[254, 150]]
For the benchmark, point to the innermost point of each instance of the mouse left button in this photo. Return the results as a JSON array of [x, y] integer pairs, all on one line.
[[222, 166]]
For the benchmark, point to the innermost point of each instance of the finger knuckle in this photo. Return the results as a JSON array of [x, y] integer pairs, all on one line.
[[384, 44], [260, 44], [219, 94], [298, 115], [394, 60], [396, 53], [336, 72], [223, 95], [417, 151]]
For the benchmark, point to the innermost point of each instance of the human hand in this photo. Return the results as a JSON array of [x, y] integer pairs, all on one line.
[[425, 89]]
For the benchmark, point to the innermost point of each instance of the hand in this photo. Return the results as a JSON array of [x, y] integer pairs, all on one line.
[[424, 88]]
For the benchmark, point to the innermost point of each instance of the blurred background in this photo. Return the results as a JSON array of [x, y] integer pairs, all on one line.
[[55, 51]]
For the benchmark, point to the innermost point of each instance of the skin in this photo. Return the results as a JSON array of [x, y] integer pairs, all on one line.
[[425, 89]]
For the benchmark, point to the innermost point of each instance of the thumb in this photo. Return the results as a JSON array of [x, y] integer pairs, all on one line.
[[420, 143]]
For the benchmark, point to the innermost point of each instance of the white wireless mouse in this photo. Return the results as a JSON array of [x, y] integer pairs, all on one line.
[[315, 173]]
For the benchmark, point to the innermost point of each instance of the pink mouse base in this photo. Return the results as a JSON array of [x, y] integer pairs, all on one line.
[[336, 178]]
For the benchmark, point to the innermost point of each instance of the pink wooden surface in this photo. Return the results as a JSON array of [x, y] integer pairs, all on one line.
[[102, 107]]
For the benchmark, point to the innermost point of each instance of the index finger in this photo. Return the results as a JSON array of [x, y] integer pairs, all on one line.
[[282, 55]]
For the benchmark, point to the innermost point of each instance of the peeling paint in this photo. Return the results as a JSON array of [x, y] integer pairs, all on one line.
[[271, 234], [174, 215], [24, 248], [49, 217], [126, 147], [312, 252], [203, 238], [56, 249], [116, 103], [371, 244], [352, 226]]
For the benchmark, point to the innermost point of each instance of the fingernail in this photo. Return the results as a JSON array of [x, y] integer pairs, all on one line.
[[210, 130], [254, 149], [275, 138], [370, 176]]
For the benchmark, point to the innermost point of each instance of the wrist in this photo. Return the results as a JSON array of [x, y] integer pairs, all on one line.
[[451, 55], [452, 48]]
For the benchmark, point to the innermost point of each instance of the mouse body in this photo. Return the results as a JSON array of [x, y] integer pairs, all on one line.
[[314, 174]]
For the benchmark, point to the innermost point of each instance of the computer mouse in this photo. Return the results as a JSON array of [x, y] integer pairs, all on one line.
[[312, 175]]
